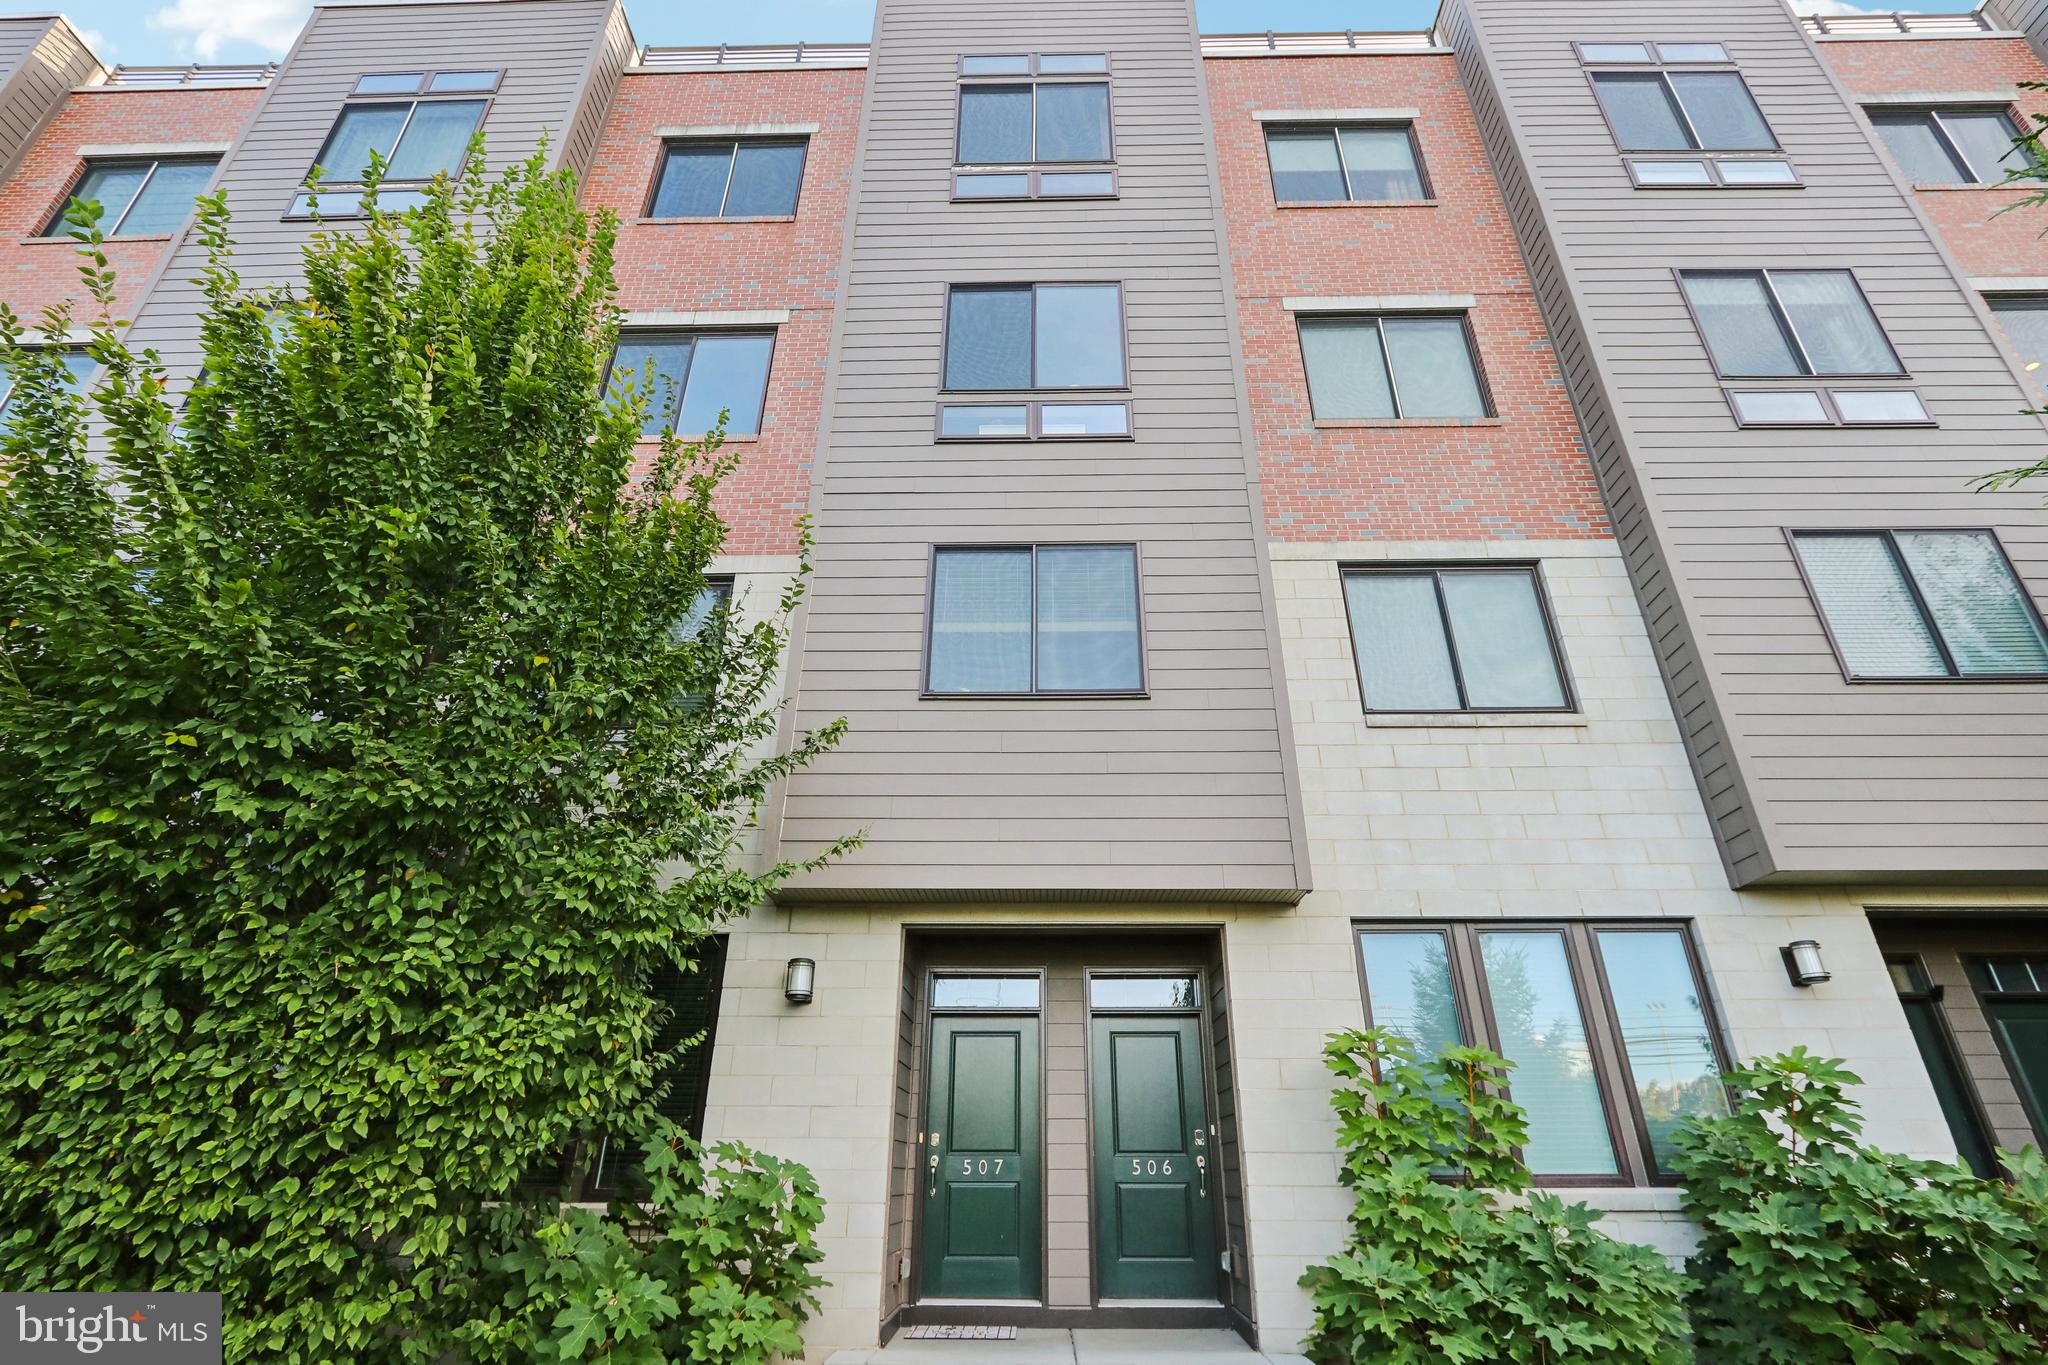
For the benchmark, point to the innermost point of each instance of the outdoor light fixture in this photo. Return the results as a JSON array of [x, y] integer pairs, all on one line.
[[1802, 963], [803, 974]]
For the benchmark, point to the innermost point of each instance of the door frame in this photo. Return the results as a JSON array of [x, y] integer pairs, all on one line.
[[1972, 962]]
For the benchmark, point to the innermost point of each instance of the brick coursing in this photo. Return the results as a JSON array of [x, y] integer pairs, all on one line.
[[732, 266], [1522, 475]]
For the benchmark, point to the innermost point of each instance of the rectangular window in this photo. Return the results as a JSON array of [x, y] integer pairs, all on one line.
[[1034, 184], [1333, 164], [1682, 111], [418, 138], [986, 992], [1034, 421], [78, 372], [1710, 172], [689, 1004], [715, 596], [1910, 605], [1606, 1024], [139, 198], [688, 379], [1951, 146], [1454, 639], [1828, 408], [1412, 365], [1769, 323], [2025, 320], [755, 178], [1030, 619], [1034, 122], [1034, 336]]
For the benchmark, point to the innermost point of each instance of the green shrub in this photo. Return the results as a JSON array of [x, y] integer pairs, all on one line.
[[1817, 1248], [1445, 1263]]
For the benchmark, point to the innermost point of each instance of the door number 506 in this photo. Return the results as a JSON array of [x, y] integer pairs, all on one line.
[[985, 1166], [1152, 1167]]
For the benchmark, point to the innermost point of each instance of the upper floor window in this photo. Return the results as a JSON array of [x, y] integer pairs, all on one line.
[[690, 378], [1025, 619], [1952, 146], [2025, 320], [1417, 366], [419, 138], [1765, 323], [1922, 604], [78, 371], [1674, 104], [727, 178], [1332, 164], [1034, 336], [143, 197], [1055, 119], [1454, 639], [1606, 1024]]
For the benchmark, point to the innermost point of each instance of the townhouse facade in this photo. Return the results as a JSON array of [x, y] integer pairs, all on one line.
[[1471, 530]]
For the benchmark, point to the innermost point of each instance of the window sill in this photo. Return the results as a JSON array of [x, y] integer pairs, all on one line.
[[1356, 204], [1475, 720], [692, 438], [1368, 423], [73, 241], [1973, 189], [1034, 696], [756, 218]]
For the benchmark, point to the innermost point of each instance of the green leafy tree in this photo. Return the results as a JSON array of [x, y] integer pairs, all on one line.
[[1819, 1249], [1451, 1256], [354, 777]]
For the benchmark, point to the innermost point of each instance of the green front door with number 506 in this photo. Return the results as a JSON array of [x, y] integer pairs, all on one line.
[[982, 1199], [1155, 1172]]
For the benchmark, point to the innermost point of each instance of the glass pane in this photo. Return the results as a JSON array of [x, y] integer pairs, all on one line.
[[1503, 643], [1080, 338], [436, 139], [166, 201], [1009, 419], [1986, 140], [1758, 173], [1664, 1032], [78, 370], [1014, 185], [1739, 325], [1614, 52], [985, 992], [988, 337], [1084, 419], [1305, 168], [1347, 371], [1672, 173], [1979, 608], [981, 621], [1692, 52], [397, 83], [1833, 323], [361, 129], [1381, 163], [2021, 1028], [1433, 375], [1143, 993], [2026, 325], [656, 369], [765, 178], [693, 180], [398, 201], [1404, 657], [1019, 65], [1951, 1091], [1867, 405], [1408, 989], [995, 124], [1072, 63], [1783, 405], [1868, 607], [713, 595], [1721, 110], [1052, 184], [1641, 111], [112, 187], [1918, 149], [1088, 619], [331, 204], [1536, 1013], [1073, 122], [450, 82], [729, 373]]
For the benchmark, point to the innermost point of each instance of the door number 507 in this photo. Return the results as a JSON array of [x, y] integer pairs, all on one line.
[[1152, 1167], [985, 1166]]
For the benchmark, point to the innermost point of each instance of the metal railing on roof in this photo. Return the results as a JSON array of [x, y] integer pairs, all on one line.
[[1270, 44], [727, 57], [1865, 25], [163, 77]]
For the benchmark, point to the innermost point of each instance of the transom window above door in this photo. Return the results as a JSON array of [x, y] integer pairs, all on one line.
[[689, 378], [1951, 146], [419, 138], [1034, 336], [729, 178], [139, 197], [1061, 117], [1455, 638], [1345, 162]]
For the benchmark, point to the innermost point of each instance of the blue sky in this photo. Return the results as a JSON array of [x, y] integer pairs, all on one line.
[[155, 32]]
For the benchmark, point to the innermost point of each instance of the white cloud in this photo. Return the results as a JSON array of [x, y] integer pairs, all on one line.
[[214, 24]]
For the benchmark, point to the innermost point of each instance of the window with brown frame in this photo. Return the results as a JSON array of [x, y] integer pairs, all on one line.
[[419, 122], [1606, 1022], [1022, 111]]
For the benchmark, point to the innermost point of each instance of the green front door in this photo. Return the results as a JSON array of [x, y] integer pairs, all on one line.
[[982, 1201], [2022, 1030], [1155, 1169]]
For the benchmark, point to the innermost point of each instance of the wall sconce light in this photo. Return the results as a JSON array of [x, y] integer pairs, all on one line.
[[1803, 964], [798, 981]]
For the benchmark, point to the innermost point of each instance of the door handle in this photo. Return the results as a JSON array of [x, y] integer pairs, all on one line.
[[935, 1176], [1202, 1173]]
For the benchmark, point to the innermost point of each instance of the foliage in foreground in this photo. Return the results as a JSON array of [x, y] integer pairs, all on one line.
[[1445, 1262], [1819, 1249], [354, 777]]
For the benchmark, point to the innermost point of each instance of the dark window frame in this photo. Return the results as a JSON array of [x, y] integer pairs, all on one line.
[[1932, 113], [1035, 183], [1889, 535], [57, 227], [1034, 412], [939, 972], [1832, 415], [1379, 321], [931, 583], [682, 385], [1335, 128], [1653, 48], [671, 144], [1924, 990], [412, 101], [1783, 321], [1123, 317], [1717, 176], [1436, 569], [1594, 70], [1628, 1131], [965, 82]]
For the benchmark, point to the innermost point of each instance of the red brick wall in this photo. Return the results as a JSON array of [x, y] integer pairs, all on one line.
[[729, 266], [1985, 244], [35, 273], [1522, 475]]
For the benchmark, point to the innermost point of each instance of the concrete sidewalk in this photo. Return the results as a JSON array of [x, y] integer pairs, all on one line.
[[1083, 1346]]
